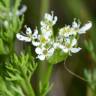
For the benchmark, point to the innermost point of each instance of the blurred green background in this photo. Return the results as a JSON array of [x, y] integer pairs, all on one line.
[[65, 84]]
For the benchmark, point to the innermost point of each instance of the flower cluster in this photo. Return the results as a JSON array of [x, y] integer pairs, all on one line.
[[44, 41], [67, 37]]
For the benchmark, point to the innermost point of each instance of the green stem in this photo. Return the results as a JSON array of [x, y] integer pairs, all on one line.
[[45, 75], [45, 71], [48, 73], [27, 85]]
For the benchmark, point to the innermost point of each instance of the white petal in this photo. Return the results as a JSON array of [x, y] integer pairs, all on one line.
[[28, 31], [68, 40], [35, 34], [85, 28], [63, 48], [74, 24], [38, 50], [55, 45], [75, 50], [74, 42], [47, 34], [50, 52], [23, 38], [35, 43], [41, 57], [55, 20], [48, 17], [42, 23]]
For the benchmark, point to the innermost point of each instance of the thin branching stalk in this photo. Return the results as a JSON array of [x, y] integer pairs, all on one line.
[[26, 85]]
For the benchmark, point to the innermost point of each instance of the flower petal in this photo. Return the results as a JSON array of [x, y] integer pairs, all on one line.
[[28, 31], [63, 48], [75, 24], [85, 28], [75, 50], [55, 20], [38, 50], [50, 52], [23, 38], [35, 43], [41, 57], [74, 42]]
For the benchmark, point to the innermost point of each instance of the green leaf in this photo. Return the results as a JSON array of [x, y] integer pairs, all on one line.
[[57, 57]]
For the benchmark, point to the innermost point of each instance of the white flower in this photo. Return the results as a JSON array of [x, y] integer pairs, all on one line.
[[23, 38], [40, 41], [29, 37], [46, 43], [28, 30], [41, 57], [75, 24], [68, 46], [70, 49], [85, 28], [67, 31], [26, 37], [70, 42], [39, 50], [47, 24], [50, 52], [60, 46], [46, 31], [63, 48], [50, 18], [44, 53]]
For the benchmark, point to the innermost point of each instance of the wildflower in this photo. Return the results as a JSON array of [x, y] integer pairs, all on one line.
[[50, 18], [44, 53], [26, 37], [44, 43], [68, 46], [44, 47], [75, 24], [74, 29], [23, 38], [67, 31], [47, 24]]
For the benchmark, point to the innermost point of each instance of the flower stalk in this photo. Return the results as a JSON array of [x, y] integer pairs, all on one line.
[[26, 85]]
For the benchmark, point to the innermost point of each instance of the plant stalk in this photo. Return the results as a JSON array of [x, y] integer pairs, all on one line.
[[27, 85]]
